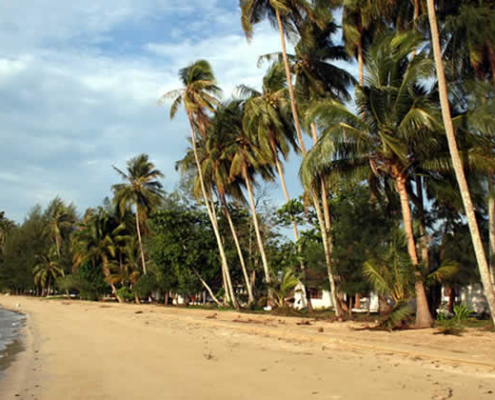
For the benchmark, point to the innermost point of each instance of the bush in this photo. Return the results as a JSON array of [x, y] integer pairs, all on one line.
[[454, 325], [146, 285], [87, 281], [125, 294]]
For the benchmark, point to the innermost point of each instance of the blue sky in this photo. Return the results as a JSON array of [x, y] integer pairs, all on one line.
[[79, 82]]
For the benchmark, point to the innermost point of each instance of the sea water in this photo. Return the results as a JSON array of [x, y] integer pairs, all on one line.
[[10, 325]]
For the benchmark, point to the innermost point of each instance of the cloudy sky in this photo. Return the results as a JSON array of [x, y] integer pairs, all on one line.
[[79, 82]]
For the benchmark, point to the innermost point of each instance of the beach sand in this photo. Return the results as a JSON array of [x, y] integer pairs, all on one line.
[[82, 350]]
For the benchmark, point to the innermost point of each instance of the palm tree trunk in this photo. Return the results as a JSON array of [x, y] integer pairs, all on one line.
[[138, 229], [423, 316], [457, 164], [223, 257], [491, 226], [207, 287], [293, 104], [422, 224], [239, 249], [228, 279], [303, 150], [360, 61], [257, 229], [327, 247], [280, 171]]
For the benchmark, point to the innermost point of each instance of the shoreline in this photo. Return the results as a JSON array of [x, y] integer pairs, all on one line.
[[15, 344], [16, 377], [86, 350]]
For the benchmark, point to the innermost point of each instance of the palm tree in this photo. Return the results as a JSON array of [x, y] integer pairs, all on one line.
[[199, 96], [247, 158], [60, 220], [361, 23], [215, 174], [129, 270], [142, 190], [396, 125], [284, 286], [267, 118], [457, 163], [46, 271], [288, 16], [95, 241]]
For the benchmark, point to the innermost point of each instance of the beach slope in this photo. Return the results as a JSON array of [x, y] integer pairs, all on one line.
[[80, 350]]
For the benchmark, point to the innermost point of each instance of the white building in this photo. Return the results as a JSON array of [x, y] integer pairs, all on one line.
[[322, 299]]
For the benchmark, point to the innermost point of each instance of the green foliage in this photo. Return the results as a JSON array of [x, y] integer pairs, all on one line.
[[454, 325], [125, 294], [183, 242], [284, 285], [22, 246], [88, 281], [398, 317], [146, 284]]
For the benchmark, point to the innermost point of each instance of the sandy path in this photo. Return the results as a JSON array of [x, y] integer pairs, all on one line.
[[79, 350]]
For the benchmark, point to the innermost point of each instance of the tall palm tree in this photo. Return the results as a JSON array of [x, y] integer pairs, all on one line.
[[288, 17], [46, 271], [95, 241], [267, 118], [199, 96], [457, 163], [361, 23], [60, 220], [215, 174], [217, 171], [248, 158], [396, 125], [142, 190]]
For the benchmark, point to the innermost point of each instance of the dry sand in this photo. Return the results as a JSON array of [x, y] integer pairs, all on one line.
[[80, 350]]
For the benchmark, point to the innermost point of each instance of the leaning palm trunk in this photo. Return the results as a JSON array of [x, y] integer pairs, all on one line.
[[314, 198], [239, 250], [257, 230], [228, 280], [327, 227], [294, 223], [223, 257], [423, 316], [207, 287], [138, 229], [457, 164]]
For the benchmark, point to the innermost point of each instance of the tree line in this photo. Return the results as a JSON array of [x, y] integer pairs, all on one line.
[[398, 180]]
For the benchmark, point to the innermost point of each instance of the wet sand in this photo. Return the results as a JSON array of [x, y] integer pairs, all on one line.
[[81, 350]]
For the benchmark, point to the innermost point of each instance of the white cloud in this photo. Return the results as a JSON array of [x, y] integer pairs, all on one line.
[[78, 92]]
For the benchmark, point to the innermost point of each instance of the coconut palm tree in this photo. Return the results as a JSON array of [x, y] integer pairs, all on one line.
[[396, 125], [142, 190], [288, 16], [215, 175], [217, 172], [60, 221], [361, 23], [95, 241], [457, 163], [284, 286], [247, 158], [267, 117], [46, 271], [199, 96]]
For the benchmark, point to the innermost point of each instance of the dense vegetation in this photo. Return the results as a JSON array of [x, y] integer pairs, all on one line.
[[398, 183]]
